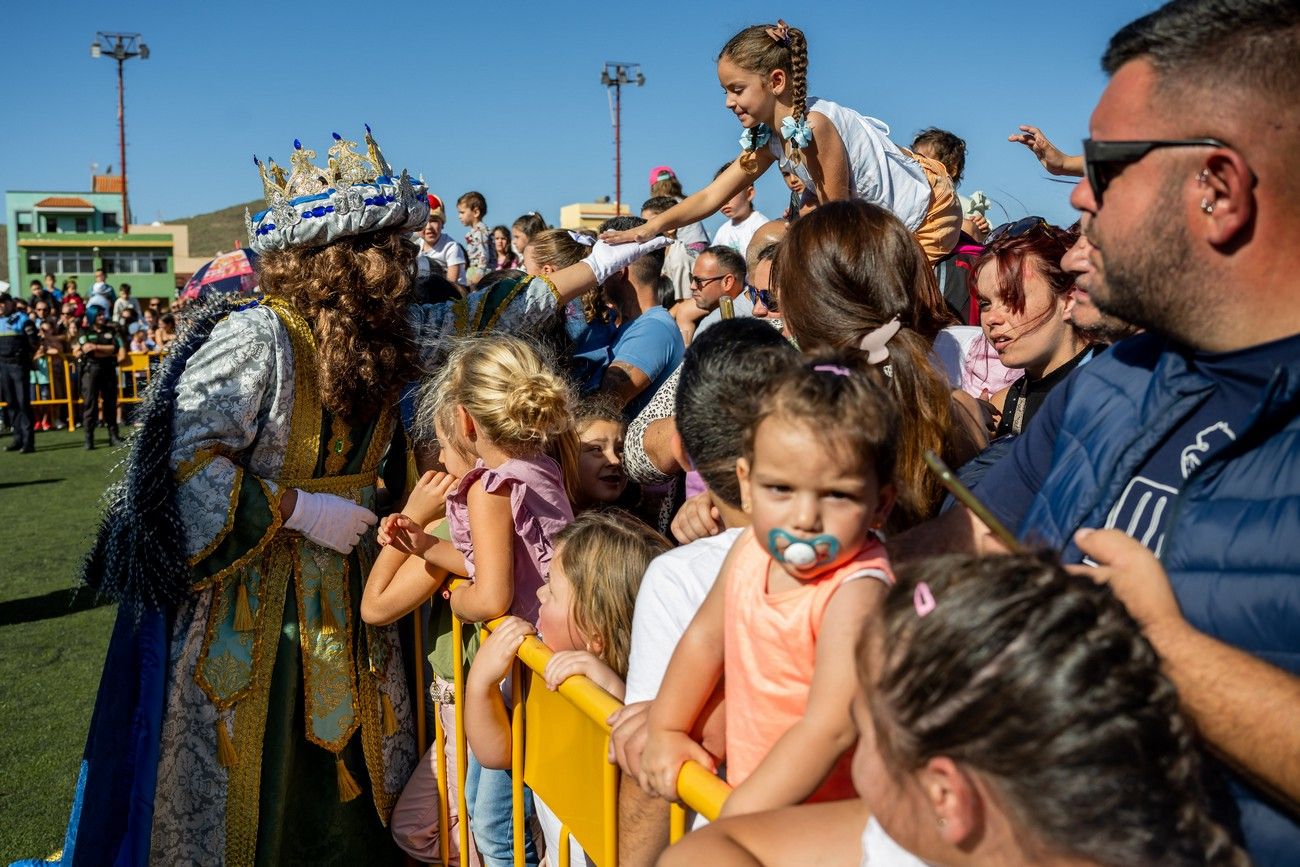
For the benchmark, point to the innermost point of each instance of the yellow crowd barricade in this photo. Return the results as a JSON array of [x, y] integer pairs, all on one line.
[[560, 744], [61, 369]]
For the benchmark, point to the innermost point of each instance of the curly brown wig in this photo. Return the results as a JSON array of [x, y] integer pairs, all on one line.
[[354, 293]]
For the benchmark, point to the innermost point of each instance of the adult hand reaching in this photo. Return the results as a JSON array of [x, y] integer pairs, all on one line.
[[1056, 161], [332, 522], [607, 257]]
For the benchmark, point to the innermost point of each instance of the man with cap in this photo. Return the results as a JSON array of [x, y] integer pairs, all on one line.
[[18, 343], [100, 348], [663, 182]]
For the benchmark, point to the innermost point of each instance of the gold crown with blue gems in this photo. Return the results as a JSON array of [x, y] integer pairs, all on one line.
[[312, 206]]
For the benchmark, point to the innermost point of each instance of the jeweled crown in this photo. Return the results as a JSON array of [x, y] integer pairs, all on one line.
[[313, 206]]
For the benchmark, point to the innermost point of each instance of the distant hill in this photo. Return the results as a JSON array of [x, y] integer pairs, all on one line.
[[216, 232]]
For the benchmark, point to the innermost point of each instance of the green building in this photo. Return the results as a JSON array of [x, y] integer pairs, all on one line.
[[71, 234]]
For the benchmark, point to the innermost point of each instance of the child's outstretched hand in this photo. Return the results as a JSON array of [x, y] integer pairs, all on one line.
[[662, 759], [404, 534], [497, 652], [567, 663], [1135, 575], [428, 500]]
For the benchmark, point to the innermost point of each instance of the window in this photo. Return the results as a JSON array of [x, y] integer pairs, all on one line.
[[24, 221], [110, 221], [83, 224], [61, 261], [51, 224], [136, 261]]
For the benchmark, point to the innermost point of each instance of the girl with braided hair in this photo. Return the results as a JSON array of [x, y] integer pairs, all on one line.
[[1010, 713], [835, 152]]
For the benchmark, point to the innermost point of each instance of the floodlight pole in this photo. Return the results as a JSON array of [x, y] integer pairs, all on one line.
[[121, 47], [615, 75]]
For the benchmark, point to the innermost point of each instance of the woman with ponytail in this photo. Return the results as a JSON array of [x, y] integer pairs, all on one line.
[[851, 277], [1009, 713], [835, 152]]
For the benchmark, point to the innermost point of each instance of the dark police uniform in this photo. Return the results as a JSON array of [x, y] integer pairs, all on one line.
[[18, 342], [99, 378]]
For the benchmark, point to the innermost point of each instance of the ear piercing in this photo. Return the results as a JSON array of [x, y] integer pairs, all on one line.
[[1203, 176], [1207, 206]]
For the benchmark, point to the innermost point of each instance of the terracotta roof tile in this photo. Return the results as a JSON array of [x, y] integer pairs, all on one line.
[[64, 202]]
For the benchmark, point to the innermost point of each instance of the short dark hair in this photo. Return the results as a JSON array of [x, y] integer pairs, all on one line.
[[36, 283], [728, 260], [658, 204], [474, 199], [648, 268], [123, 287], [719, 172], [1227, 45], [5, 298], [949, 149], [722, 380]]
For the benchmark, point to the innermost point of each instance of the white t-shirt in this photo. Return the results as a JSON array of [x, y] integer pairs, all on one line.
[[880, 850], [879, 172], [738, 235], [551, 835], [447, 252], [672, 590]]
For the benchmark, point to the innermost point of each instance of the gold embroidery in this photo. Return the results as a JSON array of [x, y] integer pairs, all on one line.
[[225, 673], [230, 520], [244, 788], [509, 299], [340, 443], [305, 421], [549, 285], [273, 500], [329, 677], [186, 470], [350, 486]]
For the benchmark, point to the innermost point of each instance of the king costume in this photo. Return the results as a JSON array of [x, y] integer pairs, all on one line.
[[246, 715]]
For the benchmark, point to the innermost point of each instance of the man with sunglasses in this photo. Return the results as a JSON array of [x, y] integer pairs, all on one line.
[[719, 272], [1186, 438]]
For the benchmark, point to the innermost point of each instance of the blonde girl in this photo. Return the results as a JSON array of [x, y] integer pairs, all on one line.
[[832, 150], [585, 617], [779, 626], [499, 414]]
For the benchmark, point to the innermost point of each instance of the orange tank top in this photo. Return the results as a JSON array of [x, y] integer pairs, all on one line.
[[770, 646]]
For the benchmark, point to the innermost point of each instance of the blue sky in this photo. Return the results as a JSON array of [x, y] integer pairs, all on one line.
[[506, 98]]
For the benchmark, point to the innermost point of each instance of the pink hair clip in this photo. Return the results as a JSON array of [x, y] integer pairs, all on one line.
[[923, 599], [832, 368], [874, 342]]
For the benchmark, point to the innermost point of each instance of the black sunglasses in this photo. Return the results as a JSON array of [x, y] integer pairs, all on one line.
[[766, 297], [1014, 230], [1104, 160]]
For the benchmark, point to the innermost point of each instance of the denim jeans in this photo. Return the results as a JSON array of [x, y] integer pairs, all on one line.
[[487, 797]]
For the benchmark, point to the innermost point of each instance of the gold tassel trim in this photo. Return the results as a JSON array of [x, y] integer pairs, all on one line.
[[329, 624], [390, 715], [226, 754], [348, 788], [243, 613]]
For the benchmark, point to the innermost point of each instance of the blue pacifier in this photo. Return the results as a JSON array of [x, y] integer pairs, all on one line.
[[802, 553]]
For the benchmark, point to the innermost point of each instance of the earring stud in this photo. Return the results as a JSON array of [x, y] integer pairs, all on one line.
[[1207, 206]]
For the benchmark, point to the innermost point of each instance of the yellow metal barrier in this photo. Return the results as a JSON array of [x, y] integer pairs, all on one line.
[[134, 376], [560, 741]]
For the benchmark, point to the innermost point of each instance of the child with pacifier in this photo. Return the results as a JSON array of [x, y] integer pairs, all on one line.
[[833, 151], [585, 617], [779, 625], [500, 414]]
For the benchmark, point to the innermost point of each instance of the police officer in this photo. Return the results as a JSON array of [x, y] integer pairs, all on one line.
[[99, 346], [18, 342]]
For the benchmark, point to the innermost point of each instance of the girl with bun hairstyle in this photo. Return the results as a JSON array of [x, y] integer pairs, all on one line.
[[502, 417]]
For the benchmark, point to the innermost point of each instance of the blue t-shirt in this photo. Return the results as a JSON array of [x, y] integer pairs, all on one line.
[[1143, 508], [652, 343]]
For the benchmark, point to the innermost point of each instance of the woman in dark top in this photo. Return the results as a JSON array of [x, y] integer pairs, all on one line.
[[1024, 302]]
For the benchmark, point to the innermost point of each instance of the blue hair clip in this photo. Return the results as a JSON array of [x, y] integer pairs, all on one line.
[[797, 131], [753, 139]]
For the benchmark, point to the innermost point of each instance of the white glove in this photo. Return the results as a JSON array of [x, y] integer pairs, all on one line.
[[333, 522], [604, 259]]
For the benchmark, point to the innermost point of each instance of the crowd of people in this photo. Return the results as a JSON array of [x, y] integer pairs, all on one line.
[[53, 325], [700, 471]]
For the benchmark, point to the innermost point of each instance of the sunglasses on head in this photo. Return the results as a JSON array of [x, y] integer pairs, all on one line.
[[1015, 230], [1104, 160]]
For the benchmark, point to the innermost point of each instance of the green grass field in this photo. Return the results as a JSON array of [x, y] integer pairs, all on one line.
[[52, 639]]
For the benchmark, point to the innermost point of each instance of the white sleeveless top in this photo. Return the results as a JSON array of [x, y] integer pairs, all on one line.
[[879, 172], [879, 850]]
